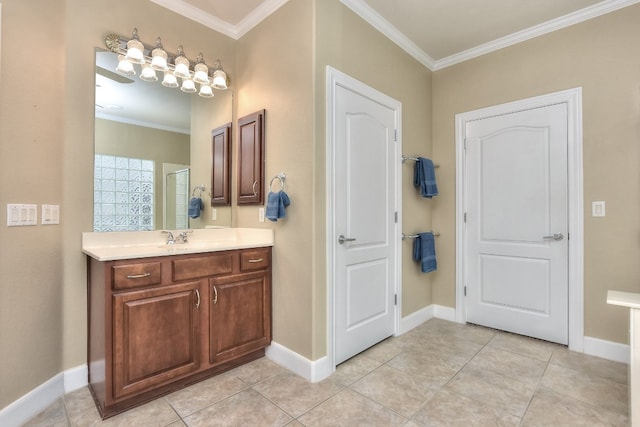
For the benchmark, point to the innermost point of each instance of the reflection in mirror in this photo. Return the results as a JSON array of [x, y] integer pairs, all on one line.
[[146, 136]]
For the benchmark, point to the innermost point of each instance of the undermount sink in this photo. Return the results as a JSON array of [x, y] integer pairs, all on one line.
[[143, 244]]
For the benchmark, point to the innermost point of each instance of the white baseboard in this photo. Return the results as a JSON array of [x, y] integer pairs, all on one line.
[[416, 319], [310, 370], [38, 399], [607, 349], [444, 313]]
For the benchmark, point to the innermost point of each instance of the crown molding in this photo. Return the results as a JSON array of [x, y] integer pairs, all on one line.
[[379, 23], [198, 15], [360, 8], [561, 22]]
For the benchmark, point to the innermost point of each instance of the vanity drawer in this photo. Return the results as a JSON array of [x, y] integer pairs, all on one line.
[[203, 266], [255, 259], [136, 275]]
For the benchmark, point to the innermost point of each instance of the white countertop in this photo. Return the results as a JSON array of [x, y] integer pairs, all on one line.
[[144, 244], [625, 299]]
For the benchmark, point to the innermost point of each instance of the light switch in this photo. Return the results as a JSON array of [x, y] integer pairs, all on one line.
[[21, 214], [261, 214], [597, 209], [214, 214], [50, 214]]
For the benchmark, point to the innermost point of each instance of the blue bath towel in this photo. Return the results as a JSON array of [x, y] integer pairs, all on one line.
[[424, 251], [276, 204], [195, 206], [424, 176]]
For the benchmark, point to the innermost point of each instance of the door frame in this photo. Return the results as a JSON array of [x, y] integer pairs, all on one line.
[[334, 79], [573, 99]]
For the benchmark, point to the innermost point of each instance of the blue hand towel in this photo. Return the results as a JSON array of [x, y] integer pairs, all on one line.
[[424, 176], [424, 251], [195, 206], [276, 204]]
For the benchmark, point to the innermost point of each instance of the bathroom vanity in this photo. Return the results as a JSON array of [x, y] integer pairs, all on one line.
[[165, 316]]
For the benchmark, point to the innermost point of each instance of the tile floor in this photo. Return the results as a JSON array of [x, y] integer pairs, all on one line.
[[438, 374]]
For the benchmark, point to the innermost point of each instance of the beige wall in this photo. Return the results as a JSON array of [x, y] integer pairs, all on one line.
[[274, 62], [122, 139], [46, 137], [31, 169], [600, 55]]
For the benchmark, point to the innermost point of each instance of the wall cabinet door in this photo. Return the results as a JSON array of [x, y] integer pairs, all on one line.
[[156, 336], [251, 136], [240, 315]]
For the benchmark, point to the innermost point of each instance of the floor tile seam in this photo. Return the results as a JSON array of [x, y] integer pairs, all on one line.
[[577, 401], [383, 405], [294, 417], [591, 374], [500, 410], [182, 418], [168, 402], [537, 388]]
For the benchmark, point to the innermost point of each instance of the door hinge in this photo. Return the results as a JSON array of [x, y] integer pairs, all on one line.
[[395, 299], [465, 218], [568, 236], [396, 217], [465, 291], [465, 144], [395, 135]]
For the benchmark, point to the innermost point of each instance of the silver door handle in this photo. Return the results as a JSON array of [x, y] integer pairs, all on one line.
[[343, 239], [557, 236]]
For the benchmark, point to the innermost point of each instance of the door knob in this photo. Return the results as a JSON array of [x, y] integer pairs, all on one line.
[[556, 236], [343, 239]]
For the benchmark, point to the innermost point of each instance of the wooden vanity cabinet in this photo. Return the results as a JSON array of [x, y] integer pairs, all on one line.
[[159, 324]]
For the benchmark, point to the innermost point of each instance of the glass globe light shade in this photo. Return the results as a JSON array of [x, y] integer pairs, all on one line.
[[182, 68], [220, 79], [135, 51], [201, 75], [170, 80], [206, 91], [148, 74], [188, 86], [125, 67], [159, 59]]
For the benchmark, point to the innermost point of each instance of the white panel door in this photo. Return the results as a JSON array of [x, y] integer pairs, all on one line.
[[365, 241], [517, 259]]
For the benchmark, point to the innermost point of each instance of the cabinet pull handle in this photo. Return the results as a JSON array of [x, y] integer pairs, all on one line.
[[198, 298], [256, 260], [215, 295], [253, 187], [138, 276]]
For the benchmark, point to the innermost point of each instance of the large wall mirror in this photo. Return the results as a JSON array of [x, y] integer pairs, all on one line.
[[153, 152]]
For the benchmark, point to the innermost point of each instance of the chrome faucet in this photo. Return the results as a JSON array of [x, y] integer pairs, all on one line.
[[182, 237], [170, 239]]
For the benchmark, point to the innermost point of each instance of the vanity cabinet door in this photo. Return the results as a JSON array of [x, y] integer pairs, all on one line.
[[156, 337], [240, 315], [251, 158]]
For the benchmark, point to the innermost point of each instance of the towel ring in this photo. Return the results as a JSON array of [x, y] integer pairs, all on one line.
[[200, 188], [280, 177]]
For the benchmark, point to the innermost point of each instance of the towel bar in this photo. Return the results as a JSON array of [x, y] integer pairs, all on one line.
[[405, 158], [413, 236]]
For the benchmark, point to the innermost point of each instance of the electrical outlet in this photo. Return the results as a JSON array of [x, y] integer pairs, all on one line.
[[214, 214], [598, 209], [261, 214]]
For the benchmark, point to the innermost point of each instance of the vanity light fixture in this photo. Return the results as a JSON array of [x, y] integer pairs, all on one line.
[[156, 59]]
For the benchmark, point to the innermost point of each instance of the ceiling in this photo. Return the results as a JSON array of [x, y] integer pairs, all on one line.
[[438, 33]]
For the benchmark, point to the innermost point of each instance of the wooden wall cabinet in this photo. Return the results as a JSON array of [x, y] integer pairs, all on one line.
[[221, 166], [251, 137], [159, 324]]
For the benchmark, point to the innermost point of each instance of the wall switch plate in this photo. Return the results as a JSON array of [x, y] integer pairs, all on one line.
[[21, 214], [50, 214], [598, 209], [214, 214], [261, 214]]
